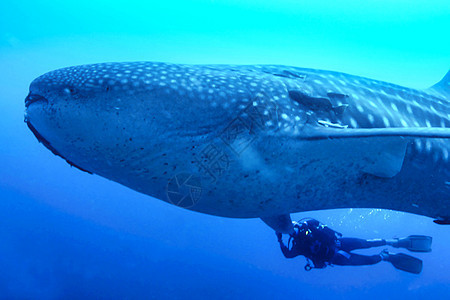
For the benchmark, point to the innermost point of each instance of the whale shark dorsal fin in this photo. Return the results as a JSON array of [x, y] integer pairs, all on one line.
[[321, 133], [314, 103], [339, 110], [319, 103], [443, 86]]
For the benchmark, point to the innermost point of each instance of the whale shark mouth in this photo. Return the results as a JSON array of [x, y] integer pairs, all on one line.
[[32, 98], [42, 140]]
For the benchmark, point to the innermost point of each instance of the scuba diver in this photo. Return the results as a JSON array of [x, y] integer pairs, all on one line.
[[323, 246]]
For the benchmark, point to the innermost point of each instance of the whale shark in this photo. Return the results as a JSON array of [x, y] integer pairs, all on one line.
[[250, 141]]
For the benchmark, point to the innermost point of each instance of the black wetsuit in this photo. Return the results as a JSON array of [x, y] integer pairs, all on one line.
[[324, 246]]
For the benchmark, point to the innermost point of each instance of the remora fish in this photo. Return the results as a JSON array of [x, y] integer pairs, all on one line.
[[250, 141]]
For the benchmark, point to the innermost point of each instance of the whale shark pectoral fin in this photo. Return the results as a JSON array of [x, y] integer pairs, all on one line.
[[280, 223], [387, 160], [442, 220], [377, 151]]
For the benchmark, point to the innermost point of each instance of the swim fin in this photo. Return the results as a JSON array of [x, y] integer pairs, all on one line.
[[403, 261], [416, 243]]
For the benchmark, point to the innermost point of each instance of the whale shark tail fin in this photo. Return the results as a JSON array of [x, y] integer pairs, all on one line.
[[443, 86]]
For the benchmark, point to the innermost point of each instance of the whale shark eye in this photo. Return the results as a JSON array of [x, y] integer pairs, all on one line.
[[69, 90]]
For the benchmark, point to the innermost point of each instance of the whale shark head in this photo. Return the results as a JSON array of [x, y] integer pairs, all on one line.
[[140, 118], [116, 104], [102, 117]]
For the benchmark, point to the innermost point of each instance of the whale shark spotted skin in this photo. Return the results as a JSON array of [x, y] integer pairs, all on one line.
[[250, 141]]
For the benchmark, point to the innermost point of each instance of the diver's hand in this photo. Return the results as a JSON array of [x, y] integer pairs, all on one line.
[[279, 236]]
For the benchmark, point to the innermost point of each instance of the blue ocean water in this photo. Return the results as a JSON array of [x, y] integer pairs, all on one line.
[[68, 234]]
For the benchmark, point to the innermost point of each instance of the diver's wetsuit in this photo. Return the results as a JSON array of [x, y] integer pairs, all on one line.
[[344, 257], [323, 246]]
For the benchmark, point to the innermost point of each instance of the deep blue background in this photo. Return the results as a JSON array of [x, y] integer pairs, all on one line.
[[67, 234]]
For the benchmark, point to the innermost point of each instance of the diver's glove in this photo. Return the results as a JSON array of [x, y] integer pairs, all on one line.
[[279, 236]]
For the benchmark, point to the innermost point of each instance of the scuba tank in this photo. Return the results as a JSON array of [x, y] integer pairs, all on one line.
[[316, 236]]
